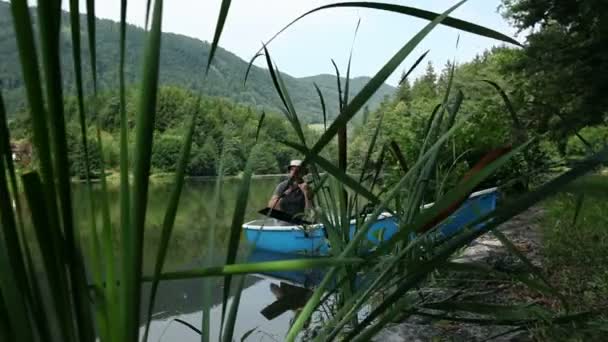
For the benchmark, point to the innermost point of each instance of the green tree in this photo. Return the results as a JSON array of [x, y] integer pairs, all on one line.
[[563, 68]]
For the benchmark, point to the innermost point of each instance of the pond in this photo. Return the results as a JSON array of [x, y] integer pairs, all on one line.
[[260, 308]]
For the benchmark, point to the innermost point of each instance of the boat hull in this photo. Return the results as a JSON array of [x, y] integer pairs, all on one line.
[[273, 235]]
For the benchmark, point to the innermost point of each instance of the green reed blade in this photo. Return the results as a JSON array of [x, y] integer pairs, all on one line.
[[143, 151], [6, 333], [378, 80], [396, 151], [350, 58], [52, 257], [260, 124], [339, 85], [92, 41], [248, 333], [453, 196], [323, 109], [350, 248], [171, 213], [18, 319], [370, 148], [5, 150], [577, 209], [290, 112], [125, 201], [342, 131], [413, 67], [148, 6], [259, 267], [28, 273], [250, 65], [49, 17], [379, 165], [435, 131], [31, 75], [14, 282], [219, 26], [236, 227], [231, 320], [498, 217], [275, 80], [77, 60], [409, 11], [109, 259], [516, 122], [211, 236]]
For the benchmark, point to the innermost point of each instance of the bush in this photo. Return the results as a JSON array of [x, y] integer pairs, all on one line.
[[165, 152]]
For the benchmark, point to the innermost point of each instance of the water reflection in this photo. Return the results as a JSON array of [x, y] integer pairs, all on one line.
[[265, 302], [269, 303]]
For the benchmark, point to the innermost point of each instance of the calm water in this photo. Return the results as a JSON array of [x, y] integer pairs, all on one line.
[[183, 299]]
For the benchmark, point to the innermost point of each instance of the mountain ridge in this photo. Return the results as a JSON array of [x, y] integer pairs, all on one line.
[[183, 60]]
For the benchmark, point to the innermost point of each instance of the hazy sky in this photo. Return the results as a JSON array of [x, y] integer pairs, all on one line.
[[306, 48]]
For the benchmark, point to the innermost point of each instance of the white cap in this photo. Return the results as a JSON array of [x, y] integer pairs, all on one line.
[[295, 162]]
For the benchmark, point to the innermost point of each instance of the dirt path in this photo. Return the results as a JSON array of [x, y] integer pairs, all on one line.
[[524, 233]]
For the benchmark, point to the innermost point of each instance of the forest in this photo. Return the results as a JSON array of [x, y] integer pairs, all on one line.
[[566, 127], [468, 203]]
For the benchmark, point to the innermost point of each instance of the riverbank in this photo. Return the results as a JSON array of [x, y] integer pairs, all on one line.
[[570, 253], [113, 177]]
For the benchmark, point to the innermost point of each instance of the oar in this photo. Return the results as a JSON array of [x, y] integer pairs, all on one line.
[[283, 216]]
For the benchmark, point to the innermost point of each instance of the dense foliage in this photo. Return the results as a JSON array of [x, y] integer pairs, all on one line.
[[487, 126], [563, 69], [221, 124], [183, 62]]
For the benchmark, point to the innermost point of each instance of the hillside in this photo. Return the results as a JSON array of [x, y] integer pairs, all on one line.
[[182, 63]]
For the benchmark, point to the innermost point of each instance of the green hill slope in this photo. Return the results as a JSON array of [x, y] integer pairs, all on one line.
[[182, 63]]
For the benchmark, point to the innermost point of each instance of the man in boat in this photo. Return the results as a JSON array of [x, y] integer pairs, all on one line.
[[292, 196]]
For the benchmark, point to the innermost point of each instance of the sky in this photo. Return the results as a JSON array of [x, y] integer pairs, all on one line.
[[307, 48]]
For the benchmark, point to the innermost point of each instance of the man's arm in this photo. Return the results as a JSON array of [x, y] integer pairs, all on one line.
[[307, 195], [274, 202]]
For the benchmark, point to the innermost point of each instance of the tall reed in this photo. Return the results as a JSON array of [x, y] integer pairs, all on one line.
[[107, 306]]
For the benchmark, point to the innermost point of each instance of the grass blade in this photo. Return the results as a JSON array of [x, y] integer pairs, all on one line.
[[171, 213], [518, 125], [323, 109], [370, 149], [143, 151], [231, 320], [125, 200], [350, 57], [207, 290], [407, 74], [51, 252], [92, 41], [339, 85], [49, 17], [249, 66], [236, 228], [394, 148], [219, 26], [370, 88], [260, 124], [410, 11], [260, 267]]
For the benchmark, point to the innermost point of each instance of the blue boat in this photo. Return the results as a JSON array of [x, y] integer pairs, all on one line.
[[277, 236]]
